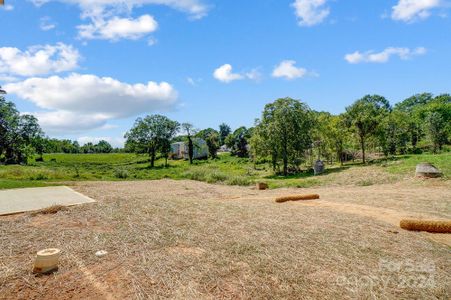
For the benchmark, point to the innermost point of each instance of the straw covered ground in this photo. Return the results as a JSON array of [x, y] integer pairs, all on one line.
[[193, 240]]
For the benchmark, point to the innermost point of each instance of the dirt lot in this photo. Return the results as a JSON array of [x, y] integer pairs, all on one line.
[[186, 239]]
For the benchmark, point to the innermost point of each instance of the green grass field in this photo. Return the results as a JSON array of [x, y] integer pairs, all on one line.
[[59, 168]]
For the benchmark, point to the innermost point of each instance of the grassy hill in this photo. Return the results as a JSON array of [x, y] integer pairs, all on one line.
[[58, 168]]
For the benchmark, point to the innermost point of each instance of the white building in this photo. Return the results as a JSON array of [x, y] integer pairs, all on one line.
[[179, 150]]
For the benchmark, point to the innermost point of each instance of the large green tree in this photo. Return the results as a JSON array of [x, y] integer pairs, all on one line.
[[151, 135], [331, 135], [364, 117], [284, 131], [18, 134]]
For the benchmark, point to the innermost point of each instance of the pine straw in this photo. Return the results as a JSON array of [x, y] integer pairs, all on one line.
[[297, 197], [436, 226], [191, 240], [48, 210]]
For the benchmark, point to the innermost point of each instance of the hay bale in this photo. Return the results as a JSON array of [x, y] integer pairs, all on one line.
[[427, 170], [437, 226], [262, 186], [297, 197]]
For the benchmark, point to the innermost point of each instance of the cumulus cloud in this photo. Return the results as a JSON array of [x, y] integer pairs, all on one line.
[[411, 10], [287, 69], [109, 18], [38, 60], [310, 12], [118, 28], [225, 74], [88, 101], [383, 56]]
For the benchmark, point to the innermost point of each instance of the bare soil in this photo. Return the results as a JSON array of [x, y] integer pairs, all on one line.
[[192, 240]]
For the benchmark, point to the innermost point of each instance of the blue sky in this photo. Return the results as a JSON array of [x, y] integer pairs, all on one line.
[[83, 67]]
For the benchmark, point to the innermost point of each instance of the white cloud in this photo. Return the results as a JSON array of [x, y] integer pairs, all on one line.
[[225, 74], [81, 102], [383, 56], [288, 70], [193, 81], [96, 7], [254, 74], [411, 10], [310, 12], [46, 24], [55, 122], [117, 142], [118, 28], [110, 18], [38, 60]]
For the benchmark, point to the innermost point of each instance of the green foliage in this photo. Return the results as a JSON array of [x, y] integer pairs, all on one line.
[[331, 136], [238, 141], [211, 137], [121, 173], [18, 134], [150, 135], [364, 117], [226, 169], [283, 133], [224, 131]]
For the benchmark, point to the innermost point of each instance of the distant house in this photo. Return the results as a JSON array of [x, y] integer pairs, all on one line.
[[179, 150], [224, 148]]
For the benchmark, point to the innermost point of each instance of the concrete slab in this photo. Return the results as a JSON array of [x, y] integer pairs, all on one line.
[[29, 199]]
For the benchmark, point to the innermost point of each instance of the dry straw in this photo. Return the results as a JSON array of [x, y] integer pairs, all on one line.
[[297, 197], [436, 226]]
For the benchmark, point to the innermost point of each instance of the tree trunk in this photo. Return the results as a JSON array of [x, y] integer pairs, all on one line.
[[190, 150], [152, 158], [285, 160], [362, 145]]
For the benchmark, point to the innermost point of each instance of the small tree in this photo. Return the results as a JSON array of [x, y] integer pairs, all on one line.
[[150, 135], [211, 137], [365, 115], [224, 131], [238, 141], [190, 132]]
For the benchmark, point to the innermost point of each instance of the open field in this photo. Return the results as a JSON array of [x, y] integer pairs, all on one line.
[[187, 239], [228, 170]]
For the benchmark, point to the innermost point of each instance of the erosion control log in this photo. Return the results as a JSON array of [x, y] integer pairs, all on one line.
[[297, 197], [436, 226]]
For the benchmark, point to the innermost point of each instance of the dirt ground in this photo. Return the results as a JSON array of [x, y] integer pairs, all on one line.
[[192, 240]]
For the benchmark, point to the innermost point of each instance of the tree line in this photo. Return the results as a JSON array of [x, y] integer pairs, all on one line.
[[288, 134]]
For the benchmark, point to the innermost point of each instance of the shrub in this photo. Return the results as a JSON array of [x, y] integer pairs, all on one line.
[[39, 176], [215, 176], [195, 174], [121, 173], [238, 180]]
